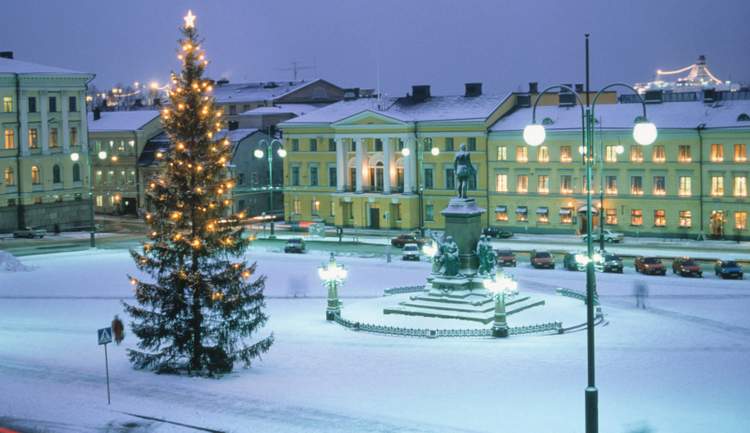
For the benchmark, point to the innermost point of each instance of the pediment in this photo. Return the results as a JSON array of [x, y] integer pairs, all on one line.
[[368, 117]]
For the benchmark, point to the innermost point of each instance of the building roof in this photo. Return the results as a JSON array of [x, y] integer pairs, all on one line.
[[121, 120], [12, 66], [257, 91], [667, 115], [296, 109], [161, 143], [406, 109]]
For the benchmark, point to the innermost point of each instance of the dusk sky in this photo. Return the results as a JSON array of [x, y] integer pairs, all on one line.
[[503, 44]]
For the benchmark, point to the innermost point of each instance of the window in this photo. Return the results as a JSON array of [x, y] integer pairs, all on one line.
[[32, 104], [56, 174], [659, 154], [685, 186], [11, 202], [684, 155], [636, 153], [566, 184], [522, 154], [313, 145], [33, 138], [543, 184], [74, 136], [53, 142], [429, 182], [72, 104], [315, 205], [740, 186], [501, 183], [636, 185], [610, 217], [331, 145], [660, 185], [740, 153], [542, 215], [542, 154], [296, 206], [717, 185], [686, 218], [295, 145], [565, 154], [295, 176], [332, 179], [10, 138], [502, 153], [400, 144], [610, 153], [99, 201], [7, 104], [636, 217], [332, 209], [52, 104], [378, 145], [449, 144], [660, 218], [9, 178], [429, 212], [566, 215], [472, 144], [36, 177], [610, 185], [501, 213], [717, 152], [740, 220], [313, 176], [522, 184], [522, 214], [450, 179]]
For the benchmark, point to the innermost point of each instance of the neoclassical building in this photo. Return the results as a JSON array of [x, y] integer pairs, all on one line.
[[43, 122]]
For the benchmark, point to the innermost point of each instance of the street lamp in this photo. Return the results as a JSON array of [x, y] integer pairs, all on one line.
[[258, 153], [332, 275], [500, 285], [644, 133], [75, 157]]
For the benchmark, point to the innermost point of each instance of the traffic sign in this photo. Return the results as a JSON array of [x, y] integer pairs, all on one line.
[[104, 335]]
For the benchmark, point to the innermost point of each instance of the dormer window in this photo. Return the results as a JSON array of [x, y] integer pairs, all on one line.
[[744, 117]]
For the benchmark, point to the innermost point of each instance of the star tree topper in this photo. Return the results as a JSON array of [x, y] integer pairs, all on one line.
[[189, 19]]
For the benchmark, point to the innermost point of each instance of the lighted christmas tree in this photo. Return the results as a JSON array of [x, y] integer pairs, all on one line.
[[204, 303]]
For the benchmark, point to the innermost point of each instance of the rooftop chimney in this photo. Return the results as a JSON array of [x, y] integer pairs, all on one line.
[[97, 113], [420, 93], [579, 88], [473, 89], [6, 54], [533, 87]]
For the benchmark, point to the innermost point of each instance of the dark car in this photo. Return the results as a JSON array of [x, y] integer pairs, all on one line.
[[612, 263], [30, 233], [728, 269], [542, 259], [686, 267], [650, 266], [401, 240], [497, 233], [572, 263], [295, 245], [505, 258]]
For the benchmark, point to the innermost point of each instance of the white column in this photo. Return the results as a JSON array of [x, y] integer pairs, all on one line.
[[409, 166], [83, 130], [412, 143], [45, 126], [340, 165], [64, 132], [386, 165], [359, 161], [23, 130]]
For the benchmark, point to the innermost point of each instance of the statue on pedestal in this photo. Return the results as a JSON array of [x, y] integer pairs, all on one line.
[[447, 262], [464, 170], [487, 257]]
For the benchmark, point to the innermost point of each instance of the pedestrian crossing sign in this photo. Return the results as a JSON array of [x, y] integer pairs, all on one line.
[[104, 335]]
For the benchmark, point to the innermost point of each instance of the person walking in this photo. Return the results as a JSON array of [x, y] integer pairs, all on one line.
[[118, 330], [641, 293]]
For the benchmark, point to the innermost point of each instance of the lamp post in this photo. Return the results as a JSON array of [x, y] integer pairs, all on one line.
[[500, 285], [644, 133], [435, 151], [258, 153], [332, 275], [75, 156]]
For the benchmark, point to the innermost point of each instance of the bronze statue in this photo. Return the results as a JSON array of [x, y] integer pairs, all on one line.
[[449, 257], [464, 170], [486, 255]]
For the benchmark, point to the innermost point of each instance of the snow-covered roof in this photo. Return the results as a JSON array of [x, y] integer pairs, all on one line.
[[12, 66], [296, 109], [406, 109], [256, 91], [236, 135], [161, 143], [121, 120], [668, 115]]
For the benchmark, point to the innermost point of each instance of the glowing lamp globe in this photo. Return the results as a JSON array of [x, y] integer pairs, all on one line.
[[644, 133], [102, 155], [534, 134], [74, 156], [258, 153], [281, 153], [405, 151], [435, 151]]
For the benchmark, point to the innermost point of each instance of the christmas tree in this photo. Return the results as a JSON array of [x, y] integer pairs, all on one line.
[[204, 302]]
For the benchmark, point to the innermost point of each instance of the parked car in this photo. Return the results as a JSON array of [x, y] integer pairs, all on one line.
[[410, 252], [728, 269], [542, 259], [612, 263], [497, 233], [609, 236], [649, 265], [295, 245], [686, 267], [505, 258], [401, 240], [577, 261], [30, 233]]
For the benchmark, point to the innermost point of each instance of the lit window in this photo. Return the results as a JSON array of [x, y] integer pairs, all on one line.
[[717, 152], [33, 138], [9, 178], [501, 213], [542, 215], [740, 186], [501, 183], [610, 217], [522, 184], [684, 155], [636, 153], [522, 214], [659, 155], [611, 185], [610, 153], [660, 185], [502, 153], [740, 153], [99, 201], [522, 154], [566, 215], [543, 184], [686, 218], [542, 154], [636, 185], [10, 138], [566, 184], [636, 217], [565, 154], [36, 177], [685, 186], [332, 210], [717, 185], [73, 136], [297, 206], [740, 220], [315, 207], [7, 104], [53, 142], [660, 218]]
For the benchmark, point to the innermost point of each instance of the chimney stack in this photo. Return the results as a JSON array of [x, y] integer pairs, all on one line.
[[473, 89], [533, 87], [97, 113], [420, 93], [6, 54]]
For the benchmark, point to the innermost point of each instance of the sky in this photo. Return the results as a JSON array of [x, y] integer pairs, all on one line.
[[388, 43]]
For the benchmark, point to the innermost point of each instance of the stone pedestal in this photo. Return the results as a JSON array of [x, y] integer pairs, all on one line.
[[463, 221]]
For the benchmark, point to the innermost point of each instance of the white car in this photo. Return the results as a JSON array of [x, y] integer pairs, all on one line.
[[609, 236], [410, 252]]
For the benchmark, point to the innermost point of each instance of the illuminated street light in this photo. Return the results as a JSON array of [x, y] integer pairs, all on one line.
[[405, 152], [644, 132], [332, 276], [258, 153], [500, 286], [534, 134], [435, 151]]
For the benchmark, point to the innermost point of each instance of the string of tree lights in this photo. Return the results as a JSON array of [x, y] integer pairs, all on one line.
[[205, 302]]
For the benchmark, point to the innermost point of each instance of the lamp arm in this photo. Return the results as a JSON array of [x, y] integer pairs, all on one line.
[[627, 86], [556, 86]]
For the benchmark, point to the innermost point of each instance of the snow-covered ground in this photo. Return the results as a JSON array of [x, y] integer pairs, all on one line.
[[679, 366]]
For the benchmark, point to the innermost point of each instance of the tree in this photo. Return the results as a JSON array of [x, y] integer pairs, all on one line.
[[203, 305]]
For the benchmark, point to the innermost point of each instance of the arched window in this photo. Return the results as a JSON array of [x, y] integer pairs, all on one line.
[[9, 177], [744, 117], [36, 177], [76, 172], [56, 174]]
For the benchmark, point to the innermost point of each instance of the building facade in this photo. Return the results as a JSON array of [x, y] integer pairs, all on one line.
[[43, 122]]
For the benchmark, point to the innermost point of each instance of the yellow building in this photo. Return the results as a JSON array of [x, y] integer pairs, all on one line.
[[43, 122]]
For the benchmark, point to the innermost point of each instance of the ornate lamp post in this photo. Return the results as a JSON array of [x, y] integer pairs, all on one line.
[[75, 156], [258, 153], [332, 275], [644, 133], [500, 285]]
